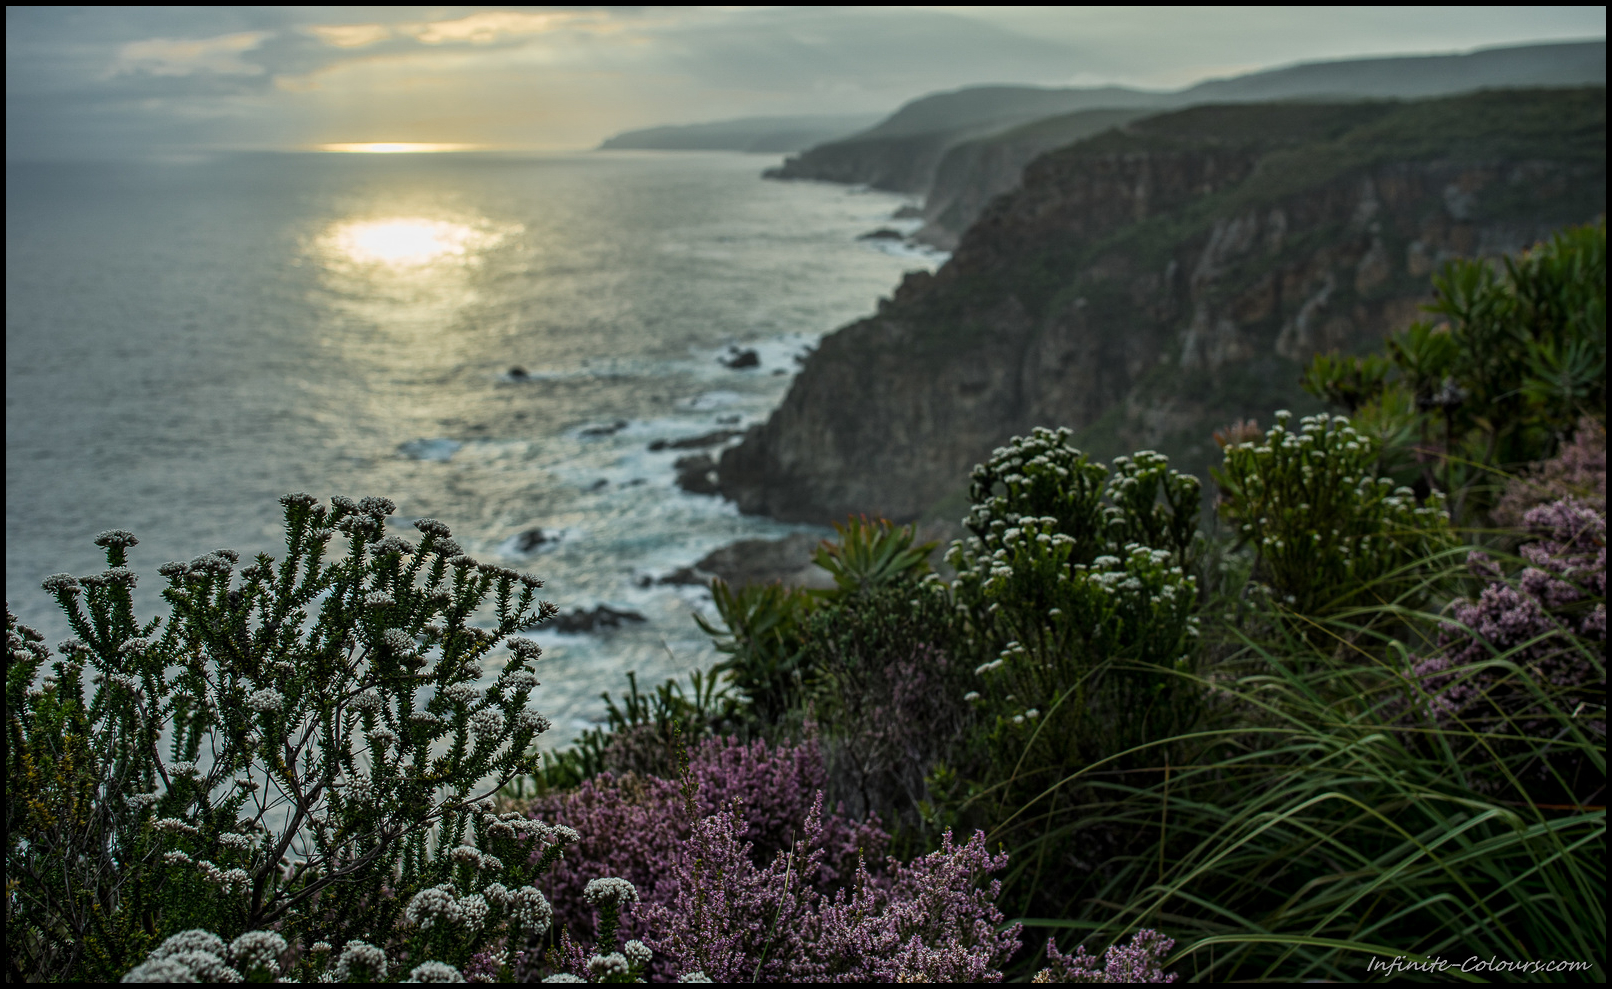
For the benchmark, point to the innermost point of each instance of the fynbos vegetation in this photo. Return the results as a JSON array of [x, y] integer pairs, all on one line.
[[1354, 715]]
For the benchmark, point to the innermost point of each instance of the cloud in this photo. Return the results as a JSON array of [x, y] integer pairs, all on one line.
[[488, 26], [185, 57], [349, 35]]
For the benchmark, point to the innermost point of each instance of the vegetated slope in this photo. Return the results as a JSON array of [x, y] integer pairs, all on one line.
[[1153, 282], [961, 149], [754, 134]]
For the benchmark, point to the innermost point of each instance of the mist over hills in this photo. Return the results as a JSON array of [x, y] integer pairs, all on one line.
[[960, 149], [771, 135]]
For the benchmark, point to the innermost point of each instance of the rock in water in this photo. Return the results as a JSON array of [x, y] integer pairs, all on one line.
[[696, 442], [583, 620], [530, 540], [738, 360], [696, 474]]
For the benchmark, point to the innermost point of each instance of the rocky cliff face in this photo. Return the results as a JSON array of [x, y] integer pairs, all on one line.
[[1147, 285]]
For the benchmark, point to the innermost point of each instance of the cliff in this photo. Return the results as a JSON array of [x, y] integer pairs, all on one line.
[[1150, 283], [959, 150]]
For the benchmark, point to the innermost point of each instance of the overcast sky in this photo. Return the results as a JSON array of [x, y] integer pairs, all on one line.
[[109, 81]]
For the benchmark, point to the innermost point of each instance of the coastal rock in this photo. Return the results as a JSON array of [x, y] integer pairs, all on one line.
[[530, 540], [738, 359], [696, 474], [1147, 285], [763, 561], [609, 429], [581, 620], [700, 442]]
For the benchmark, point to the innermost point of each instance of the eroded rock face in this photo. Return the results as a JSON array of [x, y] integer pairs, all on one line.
[[1143, 291]]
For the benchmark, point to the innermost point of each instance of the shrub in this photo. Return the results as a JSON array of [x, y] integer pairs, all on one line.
[[1077, 593], [1577, 471], [737, 922], [636, 826], [1529, 648], [1517, 357], [891, 671], [1326, 534], [299, 745], [765, 637], [1141, 961]]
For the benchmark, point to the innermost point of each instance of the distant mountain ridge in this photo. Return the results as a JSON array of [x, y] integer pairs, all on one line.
[[960, 149], [771, 135]]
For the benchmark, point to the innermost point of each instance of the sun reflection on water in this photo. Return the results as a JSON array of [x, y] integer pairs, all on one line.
[[407, 241]]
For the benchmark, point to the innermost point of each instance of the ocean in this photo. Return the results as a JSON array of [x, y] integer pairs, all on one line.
[[188, 340]]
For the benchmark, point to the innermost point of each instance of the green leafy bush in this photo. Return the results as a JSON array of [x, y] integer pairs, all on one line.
[[298, 745], [1514, 356], [1078, 596], [1328, 534], [765, 635]]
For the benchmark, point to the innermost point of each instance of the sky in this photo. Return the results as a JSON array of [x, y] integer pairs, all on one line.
[[110, 82]]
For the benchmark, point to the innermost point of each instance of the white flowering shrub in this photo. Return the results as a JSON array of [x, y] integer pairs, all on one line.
[[299, 746], [1077, 588], [1326, 532]]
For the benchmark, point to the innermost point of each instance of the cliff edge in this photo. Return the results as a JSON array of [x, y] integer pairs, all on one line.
[[1152, 282]]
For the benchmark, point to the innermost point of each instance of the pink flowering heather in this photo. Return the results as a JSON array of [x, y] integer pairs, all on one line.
[[1578, 471], [1140, 961], [736, 921], [635, 826], [1543, 623]]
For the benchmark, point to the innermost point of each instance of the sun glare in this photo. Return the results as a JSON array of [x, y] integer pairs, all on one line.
[[396, 148], [405, 240]]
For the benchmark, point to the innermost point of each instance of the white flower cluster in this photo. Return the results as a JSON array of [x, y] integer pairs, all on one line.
[[520, 680], [400, 641], [525, 649], [378, 599], [239, 842], [369, 700], [531, 719], [637, 952], [472, 855], [514, 824], [530, 910], [439, 905], [227, 880], [265, 700], [182, 769], [611, 891], [360, 787], [257, 950], [173, 825], [383, 738], [602, 967], [359, 953], [434, 972], [189, 956], [462, 693], [487, 723]]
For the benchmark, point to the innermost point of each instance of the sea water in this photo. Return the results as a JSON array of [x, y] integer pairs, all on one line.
[[188, 340]]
